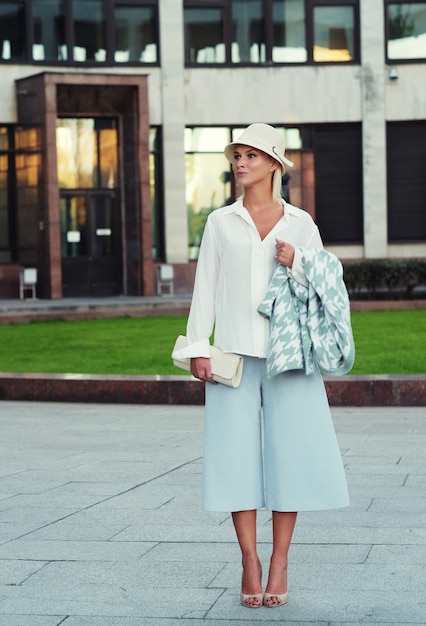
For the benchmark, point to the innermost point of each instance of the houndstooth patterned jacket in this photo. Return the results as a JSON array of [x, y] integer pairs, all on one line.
[[310, 324]]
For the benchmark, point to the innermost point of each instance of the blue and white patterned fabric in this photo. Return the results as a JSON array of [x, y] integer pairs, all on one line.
[[310, 324]]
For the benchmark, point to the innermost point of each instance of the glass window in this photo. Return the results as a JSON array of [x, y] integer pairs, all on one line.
[[271, 31], [4, 139], [20, 193], [204, 38], [87, 153], [103, 230], [289, 38], [76, 153], [49, 31], [4, 210], [89, 31], [208, 184], [156, 188], [28, 138], [248, 42], [135, 35], [73, 213], [28, 175], [406, 30], [334, 33], [12, 31], [108, 153]]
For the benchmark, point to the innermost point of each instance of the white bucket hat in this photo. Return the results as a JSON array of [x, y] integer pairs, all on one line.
[[263, 137]]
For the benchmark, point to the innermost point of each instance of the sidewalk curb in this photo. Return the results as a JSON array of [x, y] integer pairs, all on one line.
[[383, 390]]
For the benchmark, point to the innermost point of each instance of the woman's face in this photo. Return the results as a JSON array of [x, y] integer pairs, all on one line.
[[251, 165]]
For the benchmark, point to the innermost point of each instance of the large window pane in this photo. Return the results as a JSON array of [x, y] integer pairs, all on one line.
[[12, 30], [207, 179], [28, 138], [334, 34], [89, 31], [289, 40], [156, 188], [204, 36], [108, 154], [87, 153], [135, 35], [76, 153], [407, 31], [49, 31], [4, 139], [4, 210], [248, 43], [28, 176], [73, 212]]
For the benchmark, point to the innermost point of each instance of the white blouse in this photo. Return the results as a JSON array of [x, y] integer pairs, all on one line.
[[234, 269]]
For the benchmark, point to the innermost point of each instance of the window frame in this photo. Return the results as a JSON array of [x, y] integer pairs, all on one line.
[[26, 44], [14, 248], [388, 60], [309, 6], [109, 7]]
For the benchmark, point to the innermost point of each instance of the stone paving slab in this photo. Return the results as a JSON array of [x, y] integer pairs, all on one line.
[[101, 523]]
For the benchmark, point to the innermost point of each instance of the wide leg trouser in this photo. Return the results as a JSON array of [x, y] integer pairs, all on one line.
[[271, 443]]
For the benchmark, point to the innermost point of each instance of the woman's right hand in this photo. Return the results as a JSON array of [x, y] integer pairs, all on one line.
[[201, 368]]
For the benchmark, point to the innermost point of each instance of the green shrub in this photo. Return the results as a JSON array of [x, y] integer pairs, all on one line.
[[385, 278]]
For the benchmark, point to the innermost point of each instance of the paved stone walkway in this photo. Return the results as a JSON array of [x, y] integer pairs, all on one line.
[[100, 523]]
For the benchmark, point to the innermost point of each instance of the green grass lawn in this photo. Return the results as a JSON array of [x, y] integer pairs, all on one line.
[[387, 342]]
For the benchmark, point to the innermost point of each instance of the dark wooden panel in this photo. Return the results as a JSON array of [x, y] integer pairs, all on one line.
[[406, 162], [338, 183]]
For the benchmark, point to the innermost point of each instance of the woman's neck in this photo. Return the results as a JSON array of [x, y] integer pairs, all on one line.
[[255, 201]]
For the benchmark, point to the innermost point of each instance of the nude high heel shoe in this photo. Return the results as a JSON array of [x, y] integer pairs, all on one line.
[[244, 597], [281, 597], [247, 596]]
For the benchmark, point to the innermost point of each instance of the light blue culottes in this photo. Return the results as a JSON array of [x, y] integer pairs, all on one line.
[[271, 443]]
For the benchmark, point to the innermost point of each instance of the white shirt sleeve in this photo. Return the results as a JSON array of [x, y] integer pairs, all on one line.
[[297, 271], [202, 313]]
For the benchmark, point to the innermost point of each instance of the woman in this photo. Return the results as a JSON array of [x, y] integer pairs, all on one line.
[[298, 466]]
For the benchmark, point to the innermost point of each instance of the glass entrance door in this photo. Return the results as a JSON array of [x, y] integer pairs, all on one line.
[[91, 254], [87, 150]]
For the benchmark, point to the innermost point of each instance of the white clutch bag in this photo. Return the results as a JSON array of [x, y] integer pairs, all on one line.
[[227, 368]]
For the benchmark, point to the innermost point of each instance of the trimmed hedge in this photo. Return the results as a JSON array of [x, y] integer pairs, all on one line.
[[385, 279]]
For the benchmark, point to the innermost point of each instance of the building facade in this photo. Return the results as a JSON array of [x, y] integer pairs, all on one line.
[[114, 115]]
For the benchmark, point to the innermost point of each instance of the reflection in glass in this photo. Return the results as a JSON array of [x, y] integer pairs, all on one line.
[[407, 31], [76, 153], [89, 31], [73, 217], [108, 157], [289, 42], [27, 138], [334, 34], [155, 179], [87, 153], [135, 35], [4, 138], [49, 31], [248, 32], [204, 36], [204, 139], [12, 30], [103, 231], [28, 177], [4, 210], [208, 184]]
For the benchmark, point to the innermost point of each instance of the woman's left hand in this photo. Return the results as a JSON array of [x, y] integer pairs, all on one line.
[[284, 253]]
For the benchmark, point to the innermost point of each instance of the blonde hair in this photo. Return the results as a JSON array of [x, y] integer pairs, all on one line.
[[277, 185]]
